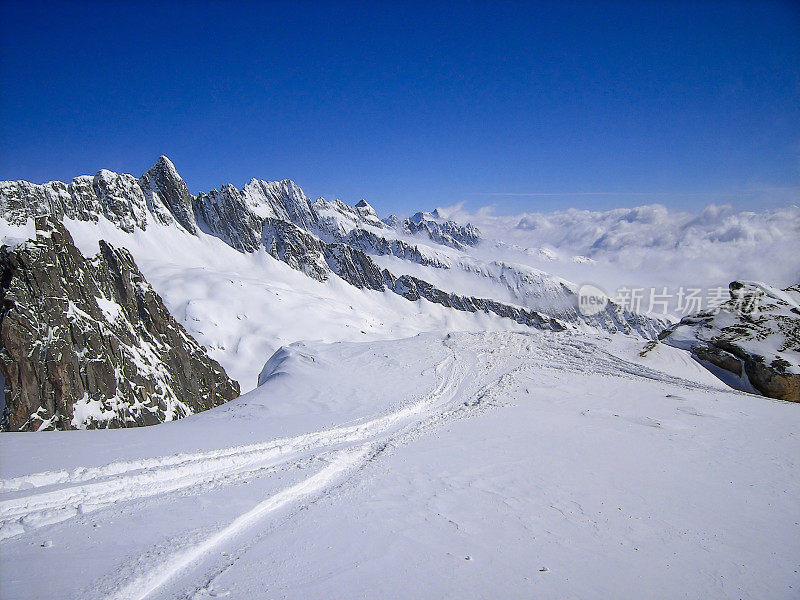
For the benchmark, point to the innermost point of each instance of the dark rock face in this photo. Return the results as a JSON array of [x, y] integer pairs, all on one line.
[[355, 267], [297, 248], [117, 197], [163, 181], [755, 336], [87, 343], [371, 243], [224, 214], [412, 288]]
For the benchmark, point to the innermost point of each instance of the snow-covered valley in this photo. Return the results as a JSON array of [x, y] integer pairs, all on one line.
[[465, 465]]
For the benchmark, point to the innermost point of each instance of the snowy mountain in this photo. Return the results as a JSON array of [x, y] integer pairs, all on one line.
[[439, 230], [425, 257], [752, 341], [425, 411]]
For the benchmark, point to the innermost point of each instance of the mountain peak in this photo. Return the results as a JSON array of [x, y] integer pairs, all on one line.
[[165, 165], [163, 180], [365, 210]]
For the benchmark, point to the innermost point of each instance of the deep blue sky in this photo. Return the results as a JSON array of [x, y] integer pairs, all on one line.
[[414, 105]]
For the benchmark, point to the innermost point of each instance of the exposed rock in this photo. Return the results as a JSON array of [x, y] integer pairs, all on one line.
[[371, 243], [164, 187], [393, 221], [116, 197], [87, 343], [225, 214], [412, 288], [355, 267], [754, 336], [335, 219], [297, 248]]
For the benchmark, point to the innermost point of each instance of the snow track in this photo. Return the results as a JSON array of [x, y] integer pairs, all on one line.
[[476, 375], [340, 463], [87, 490]]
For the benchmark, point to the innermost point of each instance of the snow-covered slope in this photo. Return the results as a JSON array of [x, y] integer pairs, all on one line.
[[517, 448], [752, 341], [511, 465]]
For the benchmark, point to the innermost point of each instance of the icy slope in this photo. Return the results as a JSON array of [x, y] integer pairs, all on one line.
[[471, 465]]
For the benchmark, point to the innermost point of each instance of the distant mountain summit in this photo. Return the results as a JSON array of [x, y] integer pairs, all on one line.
[[443, 231]]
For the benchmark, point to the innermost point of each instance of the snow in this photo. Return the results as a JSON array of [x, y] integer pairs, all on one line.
[[243, 307], [86, 410], [392, 449], [110, 309], [500, 464]]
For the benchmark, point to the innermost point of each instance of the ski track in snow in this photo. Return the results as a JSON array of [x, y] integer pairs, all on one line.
[[468, 381], [131, 480]]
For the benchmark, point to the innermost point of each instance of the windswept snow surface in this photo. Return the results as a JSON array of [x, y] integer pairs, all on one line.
[[467, 465]]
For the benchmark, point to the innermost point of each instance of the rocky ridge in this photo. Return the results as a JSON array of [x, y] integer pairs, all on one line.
[[87, 343], [320, 238]]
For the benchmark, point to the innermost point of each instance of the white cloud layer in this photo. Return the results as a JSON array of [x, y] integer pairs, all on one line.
[[649, 245]]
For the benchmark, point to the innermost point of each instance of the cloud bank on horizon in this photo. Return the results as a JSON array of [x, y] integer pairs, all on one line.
[[649, 245]]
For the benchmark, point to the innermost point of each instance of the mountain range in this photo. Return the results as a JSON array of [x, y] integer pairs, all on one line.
[[345, 274]]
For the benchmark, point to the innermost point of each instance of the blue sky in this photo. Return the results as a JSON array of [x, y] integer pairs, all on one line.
[[413, 105]]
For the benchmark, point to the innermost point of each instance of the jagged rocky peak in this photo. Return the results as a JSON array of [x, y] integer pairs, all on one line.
[[282, 200], [121, 198], [87, 343], [752, 341], [441, 230], [336, 220], [366, 211], [393, 221], [225, 213], [238, 216], [117, 197], [163, 186]]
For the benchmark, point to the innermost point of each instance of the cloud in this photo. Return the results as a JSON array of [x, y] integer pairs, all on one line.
[[651, 244]]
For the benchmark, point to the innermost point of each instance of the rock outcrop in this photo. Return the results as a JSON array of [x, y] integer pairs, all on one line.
[[87, 343], [412, 288], [163, 187], [752, 340]]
